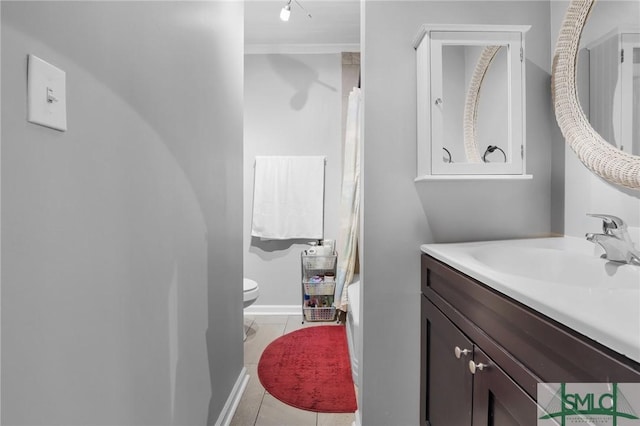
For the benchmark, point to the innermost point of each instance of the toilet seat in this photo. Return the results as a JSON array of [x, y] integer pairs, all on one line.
[[249, 284]]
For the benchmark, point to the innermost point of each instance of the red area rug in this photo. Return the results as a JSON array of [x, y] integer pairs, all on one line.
[[310, 369]]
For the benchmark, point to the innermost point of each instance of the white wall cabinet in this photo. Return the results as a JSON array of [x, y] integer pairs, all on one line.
[[471, 100]]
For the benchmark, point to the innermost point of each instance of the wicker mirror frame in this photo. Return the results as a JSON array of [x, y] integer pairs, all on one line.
[[470, 121], [599, 156]]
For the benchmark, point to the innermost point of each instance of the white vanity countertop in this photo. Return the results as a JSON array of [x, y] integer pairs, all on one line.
[[563, 278]]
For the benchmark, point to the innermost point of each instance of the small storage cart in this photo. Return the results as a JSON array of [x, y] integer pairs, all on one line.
[[318, 286]]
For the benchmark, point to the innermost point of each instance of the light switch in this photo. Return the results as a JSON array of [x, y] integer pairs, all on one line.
[[46, 94]]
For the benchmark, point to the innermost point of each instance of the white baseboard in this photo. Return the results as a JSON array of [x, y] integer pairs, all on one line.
[[357, 421], [274, 310], [229, 409]]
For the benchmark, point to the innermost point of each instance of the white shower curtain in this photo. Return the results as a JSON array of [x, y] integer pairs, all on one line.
[[350, 202]]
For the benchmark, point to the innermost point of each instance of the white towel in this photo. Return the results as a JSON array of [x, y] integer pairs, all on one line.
[[288, 198]]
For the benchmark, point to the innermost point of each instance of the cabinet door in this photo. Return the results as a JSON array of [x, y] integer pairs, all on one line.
[[498, 400], [446, 383]]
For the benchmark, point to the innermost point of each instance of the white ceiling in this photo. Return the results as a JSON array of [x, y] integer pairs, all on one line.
[[332, 23]]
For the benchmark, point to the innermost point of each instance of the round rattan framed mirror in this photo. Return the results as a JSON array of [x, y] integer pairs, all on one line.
[[598, 155]]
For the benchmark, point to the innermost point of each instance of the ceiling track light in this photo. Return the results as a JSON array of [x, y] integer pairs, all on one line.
[[285, 12]]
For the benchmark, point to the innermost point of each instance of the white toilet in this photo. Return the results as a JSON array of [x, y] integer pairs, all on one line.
[[251, 292]]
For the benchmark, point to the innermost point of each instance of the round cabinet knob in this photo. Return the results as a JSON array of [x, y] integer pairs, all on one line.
[[438, 101], [459, 352], [473, 367]]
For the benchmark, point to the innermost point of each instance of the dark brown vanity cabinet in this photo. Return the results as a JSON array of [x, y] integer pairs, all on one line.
[[467, 326], [448, 382], [452, 394], [498, 400]]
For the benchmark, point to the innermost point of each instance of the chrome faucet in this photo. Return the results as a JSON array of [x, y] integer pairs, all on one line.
[[615, 240]]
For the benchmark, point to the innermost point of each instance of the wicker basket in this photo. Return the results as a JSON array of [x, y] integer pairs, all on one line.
[[320, 314], [320, 289]]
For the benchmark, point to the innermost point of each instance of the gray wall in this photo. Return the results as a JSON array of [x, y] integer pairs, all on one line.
[[399, 215], [122, 256], [292, 107]]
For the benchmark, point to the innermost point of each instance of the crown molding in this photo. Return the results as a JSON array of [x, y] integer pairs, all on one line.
[[263, 49]]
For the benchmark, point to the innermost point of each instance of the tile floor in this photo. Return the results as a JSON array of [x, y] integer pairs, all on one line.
[[257, 407]]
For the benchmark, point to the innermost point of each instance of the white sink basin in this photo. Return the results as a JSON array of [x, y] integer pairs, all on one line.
[[563, 278], [560, 267]]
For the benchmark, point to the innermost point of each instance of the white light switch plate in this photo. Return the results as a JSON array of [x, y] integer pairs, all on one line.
[[46, 94]]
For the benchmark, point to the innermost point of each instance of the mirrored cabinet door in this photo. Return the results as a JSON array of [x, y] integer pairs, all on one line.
[[471, 100], [613, 95], [630, 93]]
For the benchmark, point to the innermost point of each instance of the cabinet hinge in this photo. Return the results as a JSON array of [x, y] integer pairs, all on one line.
[[621, 56], [521, 54], [522, 151]]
